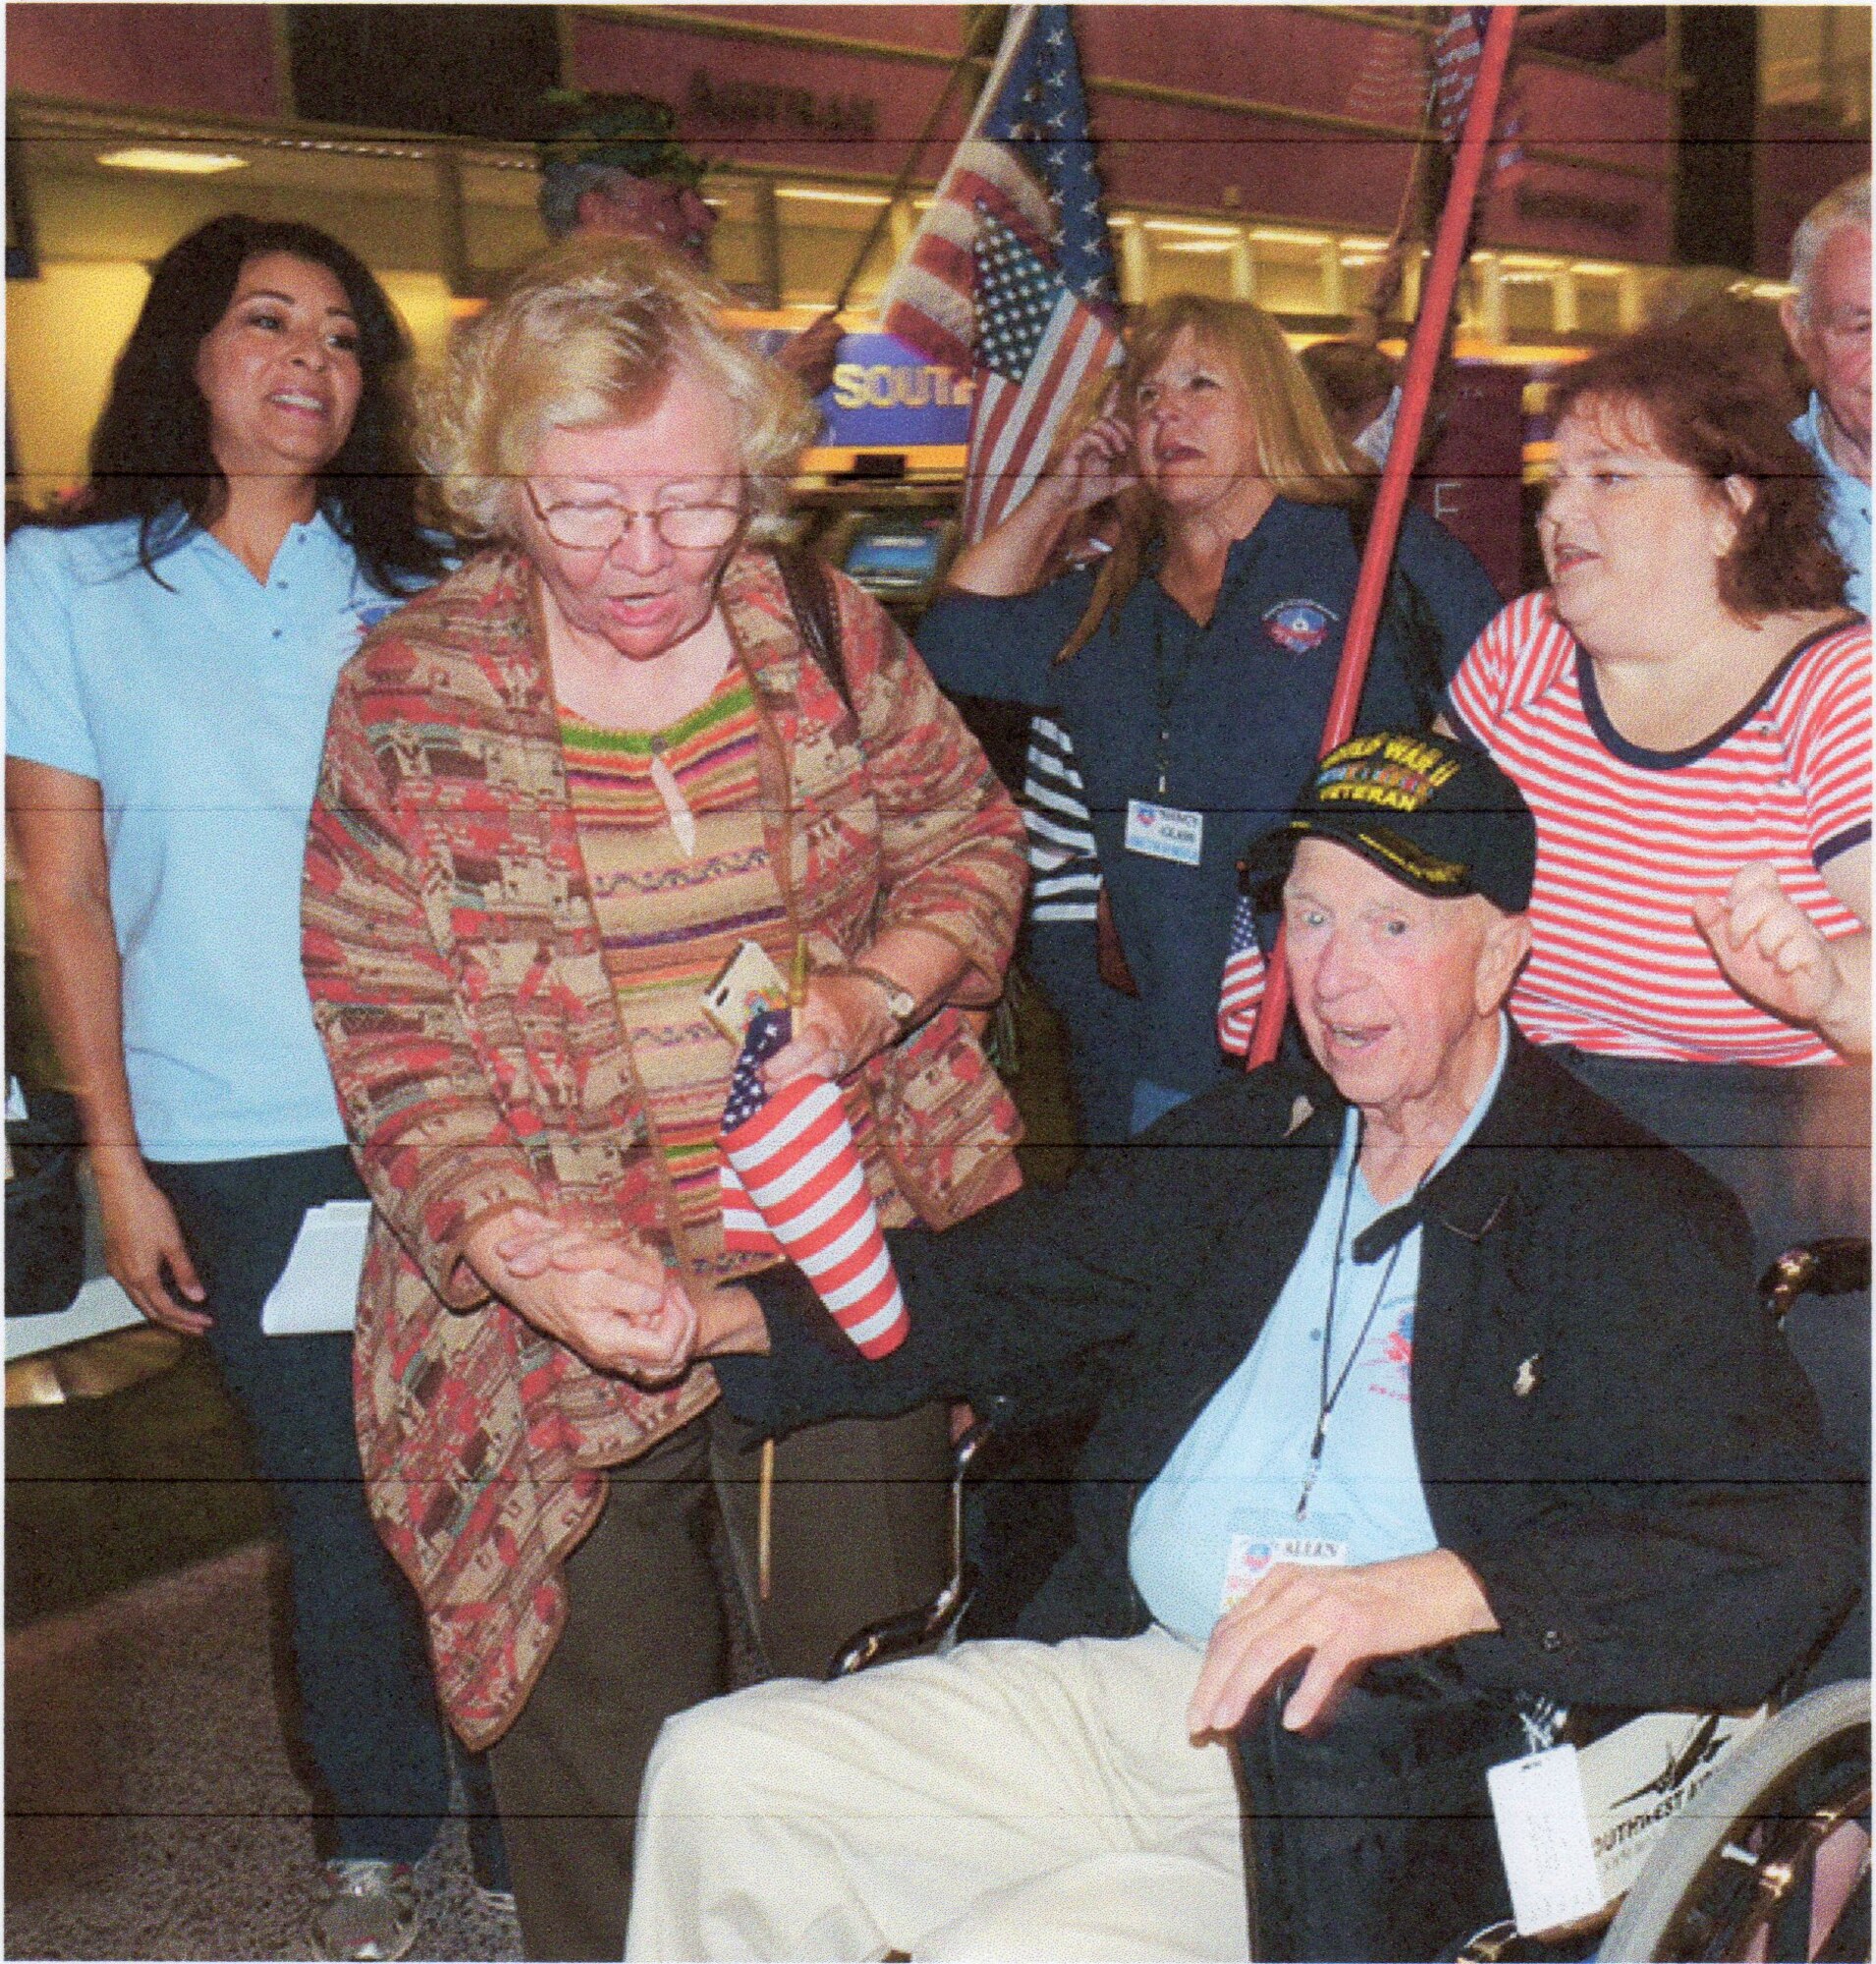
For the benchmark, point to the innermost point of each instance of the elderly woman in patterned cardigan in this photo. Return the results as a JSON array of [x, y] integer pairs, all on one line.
[[558, 790]]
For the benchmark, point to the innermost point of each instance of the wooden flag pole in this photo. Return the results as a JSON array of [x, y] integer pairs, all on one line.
[[1416, 389], [971, 54]]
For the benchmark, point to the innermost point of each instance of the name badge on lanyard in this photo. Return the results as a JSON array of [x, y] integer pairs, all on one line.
[[1165, 832], [1252, 1559]]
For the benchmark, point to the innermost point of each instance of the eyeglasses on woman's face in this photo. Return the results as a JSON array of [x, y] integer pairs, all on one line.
[[595, 522]]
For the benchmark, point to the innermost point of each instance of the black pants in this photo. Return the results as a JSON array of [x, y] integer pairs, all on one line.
[[1793, 1145], [860, 1533], [368, 1699]]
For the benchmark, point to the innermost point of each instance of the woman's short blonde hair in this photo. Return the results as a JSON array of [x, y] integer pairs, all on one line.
[[590, 334]]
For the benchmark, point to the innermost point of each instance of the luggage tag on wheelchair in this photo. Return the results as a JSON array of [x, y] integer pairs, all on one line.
[[1543, 1839], [747, 982], [1575, 1824], [1165, 832], [1251, 1559]]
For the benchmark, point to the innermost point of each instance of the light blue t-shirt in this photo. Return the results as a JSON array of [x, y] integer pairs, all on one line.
[[1848, 506], [1223, 1508], [200, 708]]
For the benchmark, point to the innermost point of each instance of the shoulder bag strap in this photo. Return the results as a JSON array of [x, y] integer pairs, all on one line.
[[810, 593]]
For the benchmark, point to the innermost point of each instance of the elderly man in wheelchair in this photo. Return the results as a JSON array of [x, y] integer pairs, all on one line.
[[1443, 1431]]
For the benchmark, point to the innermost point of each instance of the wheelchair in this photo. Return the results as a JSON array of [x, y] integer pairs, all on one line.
[[1773, 1868], [1776, 1863]]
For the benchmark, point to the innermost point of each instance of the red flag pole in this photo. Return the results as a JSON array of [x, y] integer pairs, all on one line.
[[1416, 389]]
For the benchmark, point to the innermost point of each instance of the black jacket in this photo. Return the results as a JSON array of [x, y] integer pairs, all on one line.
[[1610, 1430]]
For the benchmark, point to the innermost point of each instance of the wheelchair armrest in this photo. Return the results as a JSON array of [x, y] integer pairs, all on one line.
[[898, 1636], [913, 1629], [1833, 1266]]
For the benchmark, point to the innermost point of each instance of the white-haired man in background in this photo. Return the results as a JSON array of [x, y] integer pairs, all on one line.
[[1827, 322]]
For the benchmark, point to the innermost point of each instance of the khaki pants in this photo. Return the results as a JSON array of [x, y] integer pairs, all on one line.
[[1009, 1802], [859, 1532]]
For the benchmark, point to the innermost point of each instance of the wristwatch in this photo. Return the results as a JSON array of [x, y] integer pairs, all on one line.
[[900, 1000]]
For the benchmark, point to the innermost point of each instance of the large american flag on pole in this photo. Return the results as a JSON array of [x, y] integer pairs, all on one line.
[[792, 1185], [1009, 273], [1455, 63]]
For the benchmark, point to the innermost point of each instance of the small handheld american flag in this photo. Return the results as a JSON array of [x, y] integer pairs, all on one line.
[[792, 1185], [1241, 987]]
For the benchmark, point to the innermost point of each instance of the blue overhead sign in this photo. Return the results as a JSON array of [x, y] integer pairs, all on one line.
[[887, 396]]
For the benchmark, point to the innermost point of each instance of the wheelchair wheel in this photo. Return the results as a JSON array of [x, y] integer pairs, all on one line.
[[1742, 1876]]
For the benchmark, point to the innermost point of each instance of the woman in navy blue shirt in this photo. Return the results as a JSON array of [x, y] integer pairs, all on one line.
[[173, 640], [1192, 668]]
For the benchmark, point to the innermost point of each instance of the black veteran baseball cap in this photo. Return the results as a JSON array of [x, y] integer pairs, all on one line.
[[1434, 812]]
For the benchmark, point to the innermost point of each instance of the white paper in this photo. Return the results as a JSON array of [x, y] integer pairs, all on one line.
[[318, 1292], [1543, 1834]]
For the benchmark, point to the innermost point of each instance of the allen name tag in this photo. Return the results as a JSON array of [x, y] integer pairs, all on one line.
[[1165, 832]]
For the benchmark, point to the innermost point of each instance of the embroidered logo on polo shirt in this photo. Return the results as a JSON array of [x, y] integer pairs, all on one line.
[[1297, 625], [369, 613]]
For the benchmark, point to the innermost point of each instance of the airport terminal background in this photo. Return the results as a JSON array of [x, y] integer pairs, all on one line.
[[153, 1806]]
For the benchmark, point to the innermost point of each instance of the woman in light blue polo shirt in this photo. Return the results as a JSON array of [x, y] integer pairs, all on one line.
[[173, 638]]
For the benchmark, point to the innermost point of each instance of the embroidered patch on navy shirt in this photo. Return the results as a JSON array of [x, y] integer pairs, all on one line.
[[1297, 625]]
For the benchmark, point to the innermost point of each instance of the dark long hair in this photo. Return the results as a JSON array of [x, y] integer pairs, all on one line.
[[151, 458]]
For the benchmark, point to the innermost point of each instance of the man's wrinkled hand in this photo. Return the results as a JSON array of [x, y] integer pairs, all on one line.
[[1341, 1619]]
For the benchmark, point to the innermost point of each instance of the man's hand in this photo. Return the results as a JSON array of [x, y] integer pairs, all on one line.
[[1769, 949], [1340, 1620], [649, 1326], [144, 1245]]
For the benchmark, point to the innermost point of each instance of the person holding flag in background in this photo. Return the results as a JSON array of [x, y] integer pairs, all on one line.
[[1193, 671], [1010, 277]]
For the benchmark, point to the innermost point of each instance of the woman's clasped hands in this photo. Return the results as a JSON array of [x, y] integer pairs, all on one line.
[[608, 1297]]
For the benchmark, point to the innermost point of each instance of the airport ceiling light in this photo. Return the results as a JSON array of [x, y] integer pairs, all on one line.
[[1187, 228], [181, 163], [1270, 234], [809, 194], [1195, 244]]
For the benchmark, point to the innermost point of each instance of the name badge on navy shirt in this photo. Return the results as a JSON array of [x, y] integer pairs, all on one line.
[[1165, 832]]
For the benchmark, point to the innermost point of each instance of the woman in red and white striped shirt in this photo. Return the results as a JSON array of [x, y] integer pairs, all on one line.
[[1687, 711]]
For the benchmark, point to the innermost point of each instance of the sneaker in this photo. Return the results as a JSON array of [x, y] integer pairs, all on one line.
[[501, 1901], [368, 1914], [490, 1882]]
